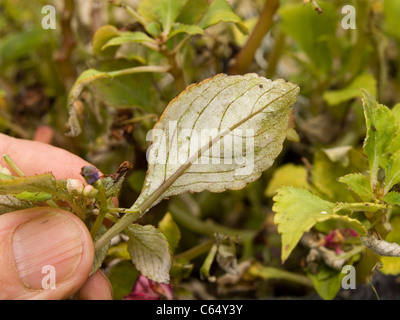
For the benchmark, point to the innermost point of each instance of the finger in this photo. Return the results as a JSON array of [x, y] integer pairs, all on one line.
[[34, 157], [97, 287], [45, 253]]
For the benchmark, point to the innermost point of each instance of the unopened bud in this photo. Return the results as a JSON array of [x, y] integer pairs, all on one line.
[[89, 191], [5, 171], [74, 186]]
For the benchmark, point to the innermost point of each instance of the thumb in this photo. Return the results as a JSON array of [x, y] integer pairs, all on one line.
[[45, 253]]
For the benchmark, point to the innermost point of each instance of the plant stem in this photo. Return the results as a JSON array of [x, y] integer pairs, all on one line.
[[274, 56], [103, 210], [13, 166], [206, 228], [140, 69], [176, 70], [205, 268], [138, 119], [268, 273], [130, 216], [63, 57], [110, 217], [123, 210], [246, 54], [196, 251]]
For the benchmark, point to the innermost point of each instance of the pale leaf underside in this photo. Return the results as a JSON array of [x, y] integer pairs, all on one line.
[[9, 203], [149, 251], [246, 118]]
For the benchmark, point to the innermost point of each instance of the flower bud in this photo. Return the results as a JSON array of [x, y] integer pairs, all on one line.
[[74, 186], [5, 171], [89, 191]]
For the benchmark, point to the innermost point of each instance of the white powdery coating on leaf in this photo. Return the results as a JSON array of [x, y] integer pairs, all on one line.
[[232, 106]]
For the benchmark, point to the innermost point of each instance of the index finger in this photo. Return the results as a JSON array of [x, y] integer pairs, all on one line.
[[34, 157]]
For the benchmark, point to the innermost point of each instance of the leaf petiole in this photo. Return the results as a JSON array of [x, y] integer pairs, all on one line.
[[13, 165]]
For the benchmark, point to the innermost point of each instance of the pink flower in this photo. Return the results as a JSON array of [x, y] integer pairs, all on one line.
[[146, 289], [336, 239]]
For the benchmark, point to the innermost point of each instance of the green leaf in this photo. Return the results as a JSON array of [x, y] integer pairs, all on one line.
[[170, 230], [122, 277], [380, 130], [249, 109], [127, 37], [149, 251], [118, 92], [298, 210], [153, 28], [164, 11], [221, 11], [392, 197], [16, 45], [327, 281], [101, 37], [365, 81], [311, 31], [392, 171], [358, 183], [168, 11], [184, 28], [287, 175], [30, 196], [9, 203], [39, 183], [131, 90], [192, 11], [84, 78]]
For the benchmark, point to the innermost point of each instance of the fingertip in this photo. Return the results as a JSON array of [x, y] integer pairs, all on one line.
[[97, 287]]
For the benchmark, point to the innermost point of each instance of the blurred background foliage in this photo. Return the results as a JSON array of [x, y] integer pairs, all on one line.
[[38, 68]]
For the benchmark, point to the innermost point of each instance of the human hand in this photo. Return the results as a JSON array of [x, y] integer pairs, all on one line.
[[33, 238]]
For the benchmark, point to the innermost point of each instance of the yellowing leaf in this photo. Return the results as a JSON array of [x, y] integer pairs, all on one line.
[[149, 251], [298, 210], [358, 183], [287, 175], [217, 135], [170, 230]]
